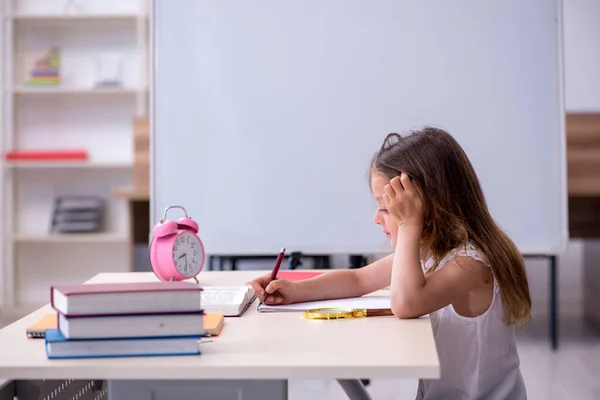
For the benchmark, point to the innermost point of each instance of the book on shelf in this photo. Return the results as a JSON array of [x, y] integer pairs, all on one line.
[[57, 346], [78, 214], [46, 69], [125, 298], [232, 301], [47, 155]]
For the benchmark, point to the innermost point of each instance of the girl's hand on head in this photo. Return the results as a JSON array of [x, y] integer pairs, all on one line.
[[404, 203]]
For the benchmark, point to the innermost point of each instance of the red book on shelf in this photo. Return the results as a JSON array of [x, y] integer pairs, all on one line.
[[45, 155], [125, 298]]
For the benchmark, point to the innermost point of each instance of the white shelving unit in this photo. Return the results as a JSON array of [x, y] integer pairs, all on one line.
[[74, 17], [73, 115], [72, 90], [66, 165]]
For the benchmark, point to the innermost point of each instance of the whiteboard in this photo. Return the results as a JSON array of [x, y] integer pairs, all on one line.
[[265, 114]]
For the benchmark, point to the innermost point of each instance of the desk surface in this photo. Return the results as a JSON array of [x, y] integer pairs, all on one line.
[[254, 346]]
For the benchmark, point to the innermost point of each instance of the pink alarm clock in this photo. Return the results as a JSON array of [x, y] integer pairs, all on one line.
[[176, 251]]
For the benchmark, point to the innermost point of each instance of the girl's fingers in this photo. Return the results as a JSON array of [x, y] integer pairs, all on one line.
[[386, 199], [406, 183], [396, 184], [271, 299], [274, 286], [389, 190], [258, 289]]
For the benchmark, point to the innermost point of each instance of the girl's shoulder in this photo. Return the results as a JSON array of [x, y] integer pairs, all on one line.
[[467, 250]]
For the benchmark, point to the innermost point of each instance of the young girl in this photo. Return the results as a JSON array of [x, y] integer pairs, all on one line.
[[450, 260]]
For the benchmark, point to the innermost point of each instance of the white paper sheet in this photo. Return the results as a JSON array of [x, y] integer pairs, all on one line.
[[365, 302]]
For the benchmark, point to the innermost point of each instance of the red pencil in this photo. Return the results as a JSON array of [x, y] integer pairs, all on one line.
[[276, 266]]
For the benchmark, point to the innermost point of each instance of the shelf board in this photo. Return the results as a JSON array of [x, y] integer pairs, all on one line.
[[66, 164], [71, 238], [76, 17], [61, 90]]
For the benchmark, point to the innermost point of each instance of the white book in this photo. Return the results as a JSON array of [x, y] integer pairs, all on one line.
[[232, 301], [132, 325]]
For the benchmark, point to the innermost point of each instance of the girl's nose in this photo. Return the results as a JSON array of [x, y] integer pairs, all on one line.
[[377, 218]]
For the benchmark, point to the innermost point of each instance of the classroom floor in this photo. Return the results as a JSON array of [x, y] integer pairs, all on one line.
[[570, 373]]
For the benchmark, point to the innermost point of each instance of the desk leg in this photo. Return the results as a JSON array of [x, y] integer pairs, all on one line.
[[354, 389], [553, 303]]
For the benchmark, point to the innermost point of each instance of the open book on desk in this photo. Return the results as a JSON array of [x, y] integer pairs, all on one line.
[[232, 301], [354, 303]]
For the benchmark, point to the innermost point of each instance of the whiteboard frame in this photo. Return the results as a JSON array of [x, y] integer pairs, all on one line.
[[155, 213], [154, 57], [562, 126]]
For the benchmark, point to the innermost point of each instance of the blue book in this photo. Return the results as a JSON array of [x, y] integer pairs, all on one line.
[[57, 346]]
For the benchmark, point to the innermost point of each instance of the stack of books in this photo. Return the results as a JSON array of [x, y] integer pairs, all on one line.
[[125, 320], [46, 71]]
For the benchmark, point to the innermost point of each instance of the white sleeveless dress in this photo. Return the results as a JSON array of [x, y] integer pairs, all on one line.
[[478, 356]]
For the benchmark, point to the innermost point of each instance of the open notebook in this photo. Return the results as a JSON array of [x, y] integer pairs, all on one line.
[[232, 301], [355, 303]]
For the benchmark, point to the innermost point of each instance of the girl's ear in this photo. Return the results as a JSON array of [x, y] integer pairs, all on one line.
[[417, 185]]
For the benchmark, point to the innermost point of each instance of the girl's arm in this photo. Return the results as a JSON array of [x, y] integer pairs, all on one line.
[[413, 294], [347, 283]]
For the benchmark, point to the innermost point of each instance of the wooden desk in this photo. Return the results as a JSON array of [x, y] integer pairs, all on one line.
[[256, 346]]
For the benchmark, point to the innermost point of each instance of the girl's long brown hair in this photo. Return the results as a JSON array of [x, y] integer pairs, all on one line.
[[456, 210]]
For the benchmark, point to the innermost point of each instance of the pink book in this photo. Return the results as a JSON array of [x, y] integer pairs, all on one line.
[[296, 275], [125, 298]]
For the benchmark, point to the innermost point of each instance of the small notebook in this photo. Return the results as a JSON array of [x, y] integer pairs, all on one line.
[[213, 323], [355, 303], [232, 301], [36, 330]]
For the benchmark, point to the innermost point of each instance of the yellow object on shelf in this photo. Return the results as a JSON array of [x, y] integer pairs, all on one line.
[[46, 71]]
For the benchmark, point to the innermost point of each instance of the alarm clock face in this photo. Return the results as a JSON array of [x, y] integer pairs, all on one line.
[[187, 254]]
